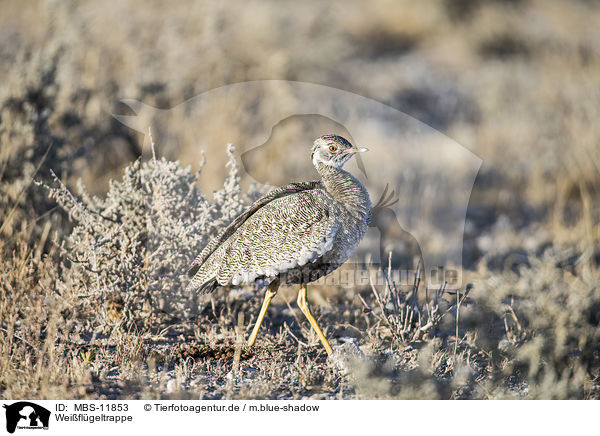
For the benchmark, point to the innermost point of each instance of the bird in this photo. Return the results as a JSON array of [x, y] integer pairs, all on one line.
[[294, 234]]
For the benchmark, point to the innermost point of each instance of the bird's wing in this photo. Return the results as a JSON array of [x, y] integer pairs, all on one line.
[[287, 232], [274, 194]]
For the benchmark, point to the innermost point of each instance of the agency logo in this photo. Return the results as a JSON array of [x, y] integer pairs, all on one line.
[[26, 415]]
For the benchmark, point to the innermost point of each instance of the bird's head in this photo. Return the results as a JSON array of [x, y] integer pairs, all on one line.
[[333, 151]]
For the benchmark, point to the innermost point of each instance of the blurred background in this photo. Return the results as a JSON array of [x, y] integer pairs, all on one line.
[[515, 81]]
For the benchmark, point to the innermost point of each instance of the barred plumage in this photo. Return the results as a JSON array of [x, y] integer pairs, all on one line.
[[296, 233]]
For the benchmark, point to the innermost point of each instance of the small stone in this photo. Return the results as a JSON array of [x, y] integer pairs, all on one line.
[[171, 386], [346, 356]]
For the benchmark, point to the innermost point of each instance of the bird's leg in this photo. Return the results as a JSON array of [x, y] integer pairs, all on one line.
[[269, 294], [303, 303]]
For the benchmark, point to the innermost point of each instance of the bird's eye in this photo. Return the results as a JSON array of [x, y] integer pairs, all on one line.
[[332, 148]]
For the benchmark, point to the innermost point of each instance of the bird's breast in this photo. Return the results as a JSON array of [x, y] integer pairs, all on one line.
[[351, 230]]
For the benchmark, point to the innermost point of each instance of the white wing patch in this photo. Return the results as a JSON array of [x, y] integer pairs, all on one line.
[[304, 256]]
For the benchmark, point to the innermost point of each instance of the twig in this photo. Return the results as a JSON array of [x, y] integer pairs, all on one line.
[[152, 143], [514, 315], [80, 205], [239, 336], [458, 302], [287, 329], [16, 336], [365, 303], [287, 303]]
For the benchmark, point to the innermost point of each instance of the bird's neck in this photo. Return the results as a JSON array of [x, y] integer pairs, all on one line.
[[345, 189]]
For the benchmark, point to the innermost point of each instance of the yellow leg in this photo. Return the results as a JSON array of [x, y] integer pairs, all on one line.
[[269, 294], [303, 303]]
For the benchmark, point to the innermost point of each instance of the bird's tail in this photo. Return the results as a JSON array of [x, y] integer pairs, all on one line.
[[204, 288], [208, 286], [193, 270]]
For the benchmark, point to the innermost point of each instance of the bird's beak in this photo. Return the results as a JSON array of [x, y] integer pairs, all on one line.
[[356, 150]]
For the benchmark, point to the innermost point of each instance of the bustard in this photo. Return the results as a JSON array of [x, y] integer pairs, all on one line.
[[296, 233]]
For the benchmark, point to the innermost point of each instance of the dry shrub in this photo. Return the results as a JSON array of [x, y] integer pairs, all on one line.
[[129, 252], [542, 328]]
